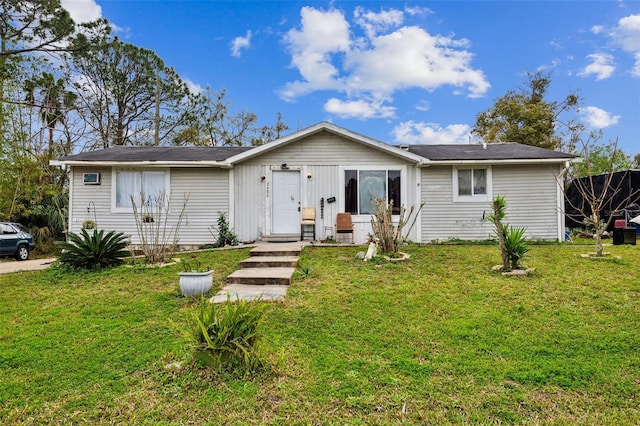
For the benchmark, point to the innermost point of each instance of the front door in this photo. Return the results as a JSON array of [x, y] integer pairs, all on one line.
[[285, 211]]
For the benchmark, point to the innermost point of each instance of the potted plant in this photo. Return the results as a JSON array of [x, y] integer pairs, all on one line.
[[195, 280], [88, 224]]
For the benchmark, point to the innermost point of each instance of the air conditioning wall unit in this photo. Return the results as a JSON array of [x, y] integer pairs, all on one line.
[[91, 178]]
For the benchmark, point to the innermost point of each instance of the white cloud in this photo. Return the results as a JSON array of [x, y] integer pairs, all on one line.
[[240, 43], [359, 109], [600, 66], [411, 132], [82, 10], [412, 58], [597, 118], [193, 87], [597, 29], [390, 57], [627, 35], [372, 22], [321, 34], [418, 10], [423, 105]]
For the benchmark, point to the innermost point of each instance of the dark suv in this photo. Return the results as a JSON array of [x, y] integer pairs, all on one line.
[[15, 240]]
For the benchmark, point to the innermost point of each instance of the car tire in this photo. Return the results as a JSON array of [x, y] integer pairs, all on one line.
[[22, 253]]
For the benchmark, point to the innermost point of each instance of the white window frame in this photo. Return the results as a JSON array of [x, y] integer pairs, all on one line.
[[114, 185], [473, 198], [403, 185]]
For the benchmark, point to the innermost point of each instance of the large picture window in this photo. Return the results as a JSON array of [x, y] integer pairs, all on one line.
[[471, 184], [362, 186], [146, 187]]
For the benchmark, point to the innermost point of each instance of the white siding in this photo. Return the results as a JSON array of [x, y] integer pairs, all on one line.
[[208, 194], [323, 156], [325, 149], [530, 192]]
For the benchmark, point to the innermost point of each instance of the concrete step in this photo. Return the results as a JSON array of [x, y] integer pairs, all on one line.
[[270, 262], [265, 293], [261, 276], [284, 249], [281, 238]]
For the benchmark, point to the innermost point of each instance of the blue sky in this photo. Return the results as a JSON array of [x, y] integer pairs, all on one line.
[[398, 71]]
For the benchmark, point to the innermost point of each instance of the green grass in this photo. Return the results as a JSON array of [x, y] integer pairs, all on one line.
[[437, 339]]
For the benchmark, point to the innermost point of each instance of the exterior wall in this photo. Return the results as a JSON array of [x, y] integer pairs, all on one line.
[[531, 192], [324, 156], [208, 191]]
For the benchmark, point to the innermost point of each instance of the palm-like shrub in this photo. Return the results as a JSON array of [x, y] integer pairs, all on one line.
[[226, 335], [515, 245], [512, 241], [93, 251]]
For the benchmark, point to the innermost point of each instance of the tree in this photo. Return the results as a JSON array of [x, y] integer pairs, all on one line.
[[524, 116], [215, 125], [636, 161], [28, 26], [54, 103], [602, 159], [597, 198], [126, 90]]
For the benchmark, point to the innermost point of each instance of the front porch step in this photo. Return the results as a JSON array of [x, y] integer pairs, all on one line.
[[281, 238], [270, 262], [261, 276], [278, 250]]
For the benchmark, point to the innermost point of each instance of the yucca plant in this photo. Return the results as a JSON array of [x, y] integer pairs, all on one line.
[[93, 251], [515, 244], [226, 335]]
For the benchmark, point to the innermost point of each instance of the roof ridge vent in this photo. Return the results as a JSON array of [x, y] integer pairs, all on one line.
[[404, 147]]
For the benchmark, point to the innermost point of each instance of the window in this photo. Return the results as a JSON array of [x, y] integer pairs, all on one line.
[[144, 186], [471, 184], [362, 186]]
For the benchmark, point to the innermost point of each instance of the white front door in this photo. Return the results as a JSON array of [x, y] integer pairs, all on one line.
[[285, 217]]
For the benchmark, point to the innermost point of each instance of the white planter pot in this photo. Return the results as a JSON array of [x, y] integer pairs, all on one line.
[[195, 283]]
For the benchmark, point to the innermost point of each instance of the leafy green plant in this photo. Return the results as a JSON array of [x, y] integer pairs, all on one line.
[[89, 224], [511, 240], [193, 264], [303, 272], [226, 335], [499, 208], [515, 245], [225, 235], [93, 251]]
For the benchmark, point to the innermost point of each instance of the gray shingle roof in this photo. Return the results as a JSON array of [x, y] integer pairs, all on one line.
[[493, 151], [131, 154]]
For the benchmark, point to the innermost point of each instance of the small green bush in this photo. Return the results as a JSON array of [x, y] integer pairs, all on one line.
[[225, 235], [515, 245], [93, 251], [226, 335]]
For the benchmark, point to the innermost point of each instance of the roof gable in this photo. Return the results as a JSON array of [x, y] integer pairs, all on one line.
[[303, 134]]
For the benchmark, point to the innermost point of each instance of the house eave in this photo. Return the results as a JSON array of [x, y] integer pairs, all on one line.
[[151, 164], [498, 161]]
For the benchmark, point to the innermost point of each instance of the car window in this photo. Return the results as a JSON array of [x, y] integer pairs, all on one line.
[[21, 227], [6, 229]]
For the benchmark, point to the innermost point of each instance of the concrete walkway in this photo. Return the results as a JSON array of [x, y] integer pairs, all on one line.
[[265, 275], [9, 266]]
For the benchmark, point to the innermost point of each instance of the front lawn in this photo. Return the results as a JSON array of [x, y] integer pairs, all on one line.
[[437, 339]]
